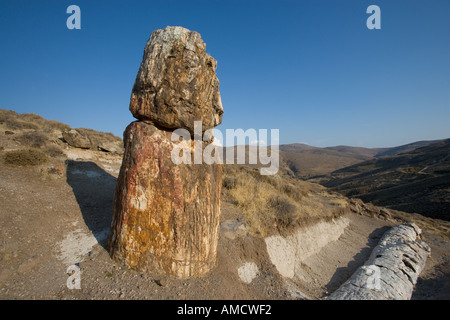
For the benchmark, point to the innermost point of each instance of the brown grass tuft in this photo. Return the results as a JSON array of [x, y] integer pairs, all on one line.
[[28, 157], [53, 151], [34, 139], [53, 125]]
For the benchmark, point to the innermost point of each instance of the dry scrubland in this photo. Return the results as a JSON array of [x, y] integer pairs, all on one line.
[[275, 204], [40, 138], [56, 208]]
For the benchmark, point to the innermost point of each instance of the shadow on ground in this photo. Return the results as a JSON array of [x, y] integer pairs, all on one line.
[[342, 274], [93, 188], [434, 288]]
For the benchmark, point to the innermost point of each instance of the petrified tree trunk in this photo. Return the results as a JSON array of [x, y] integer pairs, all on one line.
[[166, 216], [392, 269]]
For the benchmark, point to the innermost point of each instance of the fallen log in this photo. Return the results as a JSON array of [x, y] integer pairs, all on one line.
[[392, 269]]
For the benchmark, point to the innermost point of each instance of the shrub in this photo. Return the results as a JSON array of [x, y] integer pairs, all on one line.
[[53, 151], [33, 139], [229, 182], [29, 157], [15, 124], [293, 191], [51, 125], [31, 117], [7, 114], [16, 121], [285, 212]]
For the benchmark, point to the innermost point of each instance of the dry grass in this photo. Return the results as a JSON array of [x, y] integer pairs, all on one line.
[[28, 157], [29, 121], [274, 204], [53, 125], [53, 151], [34, 139], [434, 226], [12, 120], [32, 118], [39, 140], [15, 124]]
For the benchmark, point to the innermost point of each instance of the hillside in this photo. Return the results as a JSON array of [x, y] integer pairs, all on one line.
[[404, 148], [56, 210], [308, 162], [415, 181]]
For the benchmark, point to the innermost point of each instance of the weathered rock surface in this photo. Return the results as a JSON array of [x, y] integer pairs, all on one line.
[[166, 216], [94, 140], [76, 139], [392, 269], [176, 83], [108, 146]]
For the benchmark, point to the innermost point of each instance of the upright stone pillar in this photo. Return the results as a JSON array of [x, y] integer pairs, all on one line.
[[166, 215]]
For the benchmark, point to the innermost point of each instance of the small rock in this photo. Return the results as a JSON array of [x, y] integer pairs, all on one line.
[[161, 282], [386, 215], [112, 147], [232, 229], [53, 172], [248, 271]]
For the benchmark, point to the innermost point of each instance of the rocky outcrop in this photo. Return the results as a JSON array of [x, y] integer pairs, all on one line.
[[76, 139], [176, 83], [392, 269], [94, 140], [166, 215]]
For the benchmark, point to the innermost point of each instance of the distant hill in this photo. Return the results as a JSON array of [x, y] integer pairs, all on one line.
[[305, 161], [308, 162], [405, 148], [415, 181]]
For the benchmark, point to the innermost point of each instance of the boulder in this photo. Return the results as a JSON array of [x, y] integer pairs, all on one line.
[[166, 216], [76, 139], [176, 83]]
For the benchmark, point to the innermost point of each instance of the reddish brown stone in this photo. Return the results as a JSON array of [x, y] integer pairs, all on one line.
[[166, 216]]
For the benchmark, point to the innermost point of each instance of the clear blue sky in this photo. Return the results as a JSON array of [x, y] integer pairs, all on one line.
[[311, 69]]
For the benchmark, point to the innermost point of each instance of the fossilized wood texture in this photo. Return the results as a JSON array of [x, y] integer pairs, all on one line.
[[176, 83], [398, 258], [166, 216]]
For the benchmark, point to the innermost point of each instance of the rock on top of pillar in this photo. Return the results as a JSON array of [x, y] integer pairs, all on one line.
[[176, 83]]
